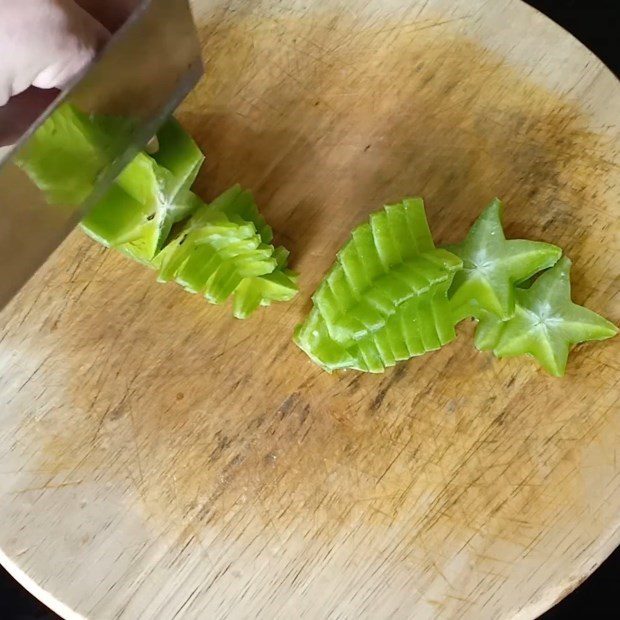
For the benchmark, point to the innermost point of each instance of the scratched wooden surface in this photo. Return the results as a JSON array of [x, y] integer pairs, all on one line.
[[159, 459]]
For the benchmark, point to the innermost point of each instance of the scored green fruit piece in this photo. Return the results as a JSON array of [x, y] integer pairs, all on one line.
[[279, 285], [385, 298], [211, 247], [546, 322], [493, 265]]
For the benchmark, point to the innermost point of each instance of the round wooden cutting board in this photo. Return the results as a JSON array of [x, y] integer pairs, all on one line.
[[159, 459]]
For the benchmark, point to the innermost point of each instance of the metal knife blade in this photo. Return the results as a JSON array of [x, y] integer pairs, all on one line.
[[145, 71]]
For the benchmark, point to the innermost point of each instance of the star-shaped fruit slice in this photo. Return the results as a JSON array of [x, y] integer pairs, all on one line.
[[546, 323], [493, 265]]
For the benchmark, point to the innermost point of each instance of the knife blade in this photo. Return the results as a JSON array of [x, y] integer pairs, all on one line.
[[148, 67]]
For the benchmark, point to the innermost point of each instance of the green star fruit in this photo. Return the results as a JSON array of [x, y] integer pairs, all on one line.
[[493, 265], [546, 323]]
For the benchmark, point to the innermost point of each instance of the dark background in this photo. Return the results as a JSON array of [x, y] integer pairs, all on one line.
[[597, 25]]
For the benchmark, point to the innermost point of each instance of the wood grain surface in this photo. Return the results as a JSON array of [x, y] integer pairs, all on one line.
[[159, 459]]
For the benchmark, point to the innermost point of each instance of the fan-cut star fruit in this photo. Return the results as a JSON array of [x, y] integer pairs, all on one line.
[[219, 254], [385, 298], [546, 322], [493, 265]]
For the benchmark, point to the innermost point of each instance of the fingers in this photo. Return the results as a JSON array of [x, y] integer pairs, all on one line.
[[44, 43]]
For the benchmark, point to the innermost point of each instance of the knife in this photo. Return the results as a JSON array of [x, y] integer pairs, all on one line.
[[149, 65]]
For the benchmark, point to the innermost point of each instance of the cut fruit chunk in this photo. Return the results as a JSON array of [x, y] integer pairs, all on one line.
[[313, 338], [218, 253], [385, 298]]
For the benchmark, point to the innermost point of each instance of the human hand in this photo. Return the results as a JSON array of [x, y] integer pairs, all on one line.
[[43, 45]]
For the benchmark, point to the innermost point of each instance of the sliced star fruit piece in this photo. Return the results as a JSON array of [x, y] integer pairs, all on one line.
[[546, 323], [417, 327], [385, 298], [280, 285], [493, 265]]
